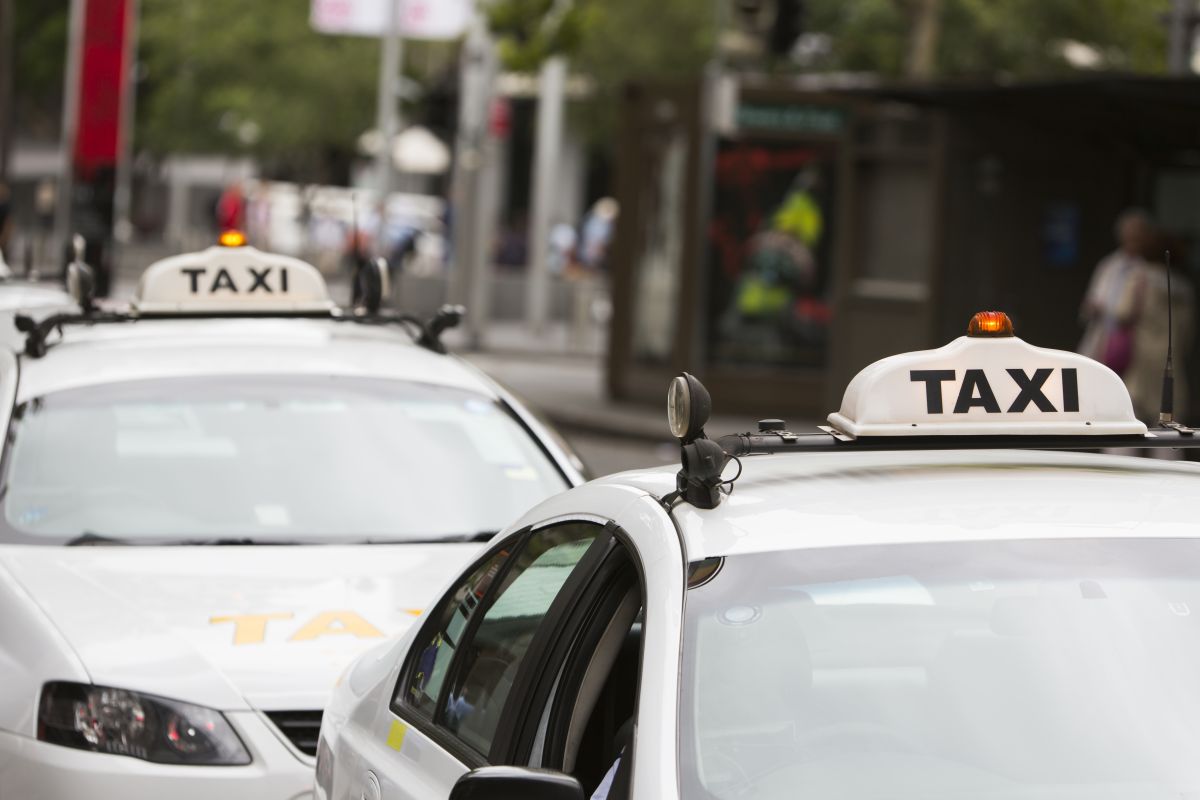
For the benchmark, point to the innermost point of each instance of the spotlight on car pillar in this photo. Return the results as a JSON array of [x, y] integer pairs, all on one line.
[[701, 459], [688, 407]]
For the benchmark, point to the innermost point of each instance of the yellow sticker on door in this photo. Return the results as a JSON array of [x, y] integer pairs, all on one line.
[[395, 738], [252, 628]]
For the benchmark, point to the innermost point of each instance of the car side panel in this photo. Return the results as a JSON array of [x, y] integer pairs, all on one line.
[[365, 736], [32, 651]]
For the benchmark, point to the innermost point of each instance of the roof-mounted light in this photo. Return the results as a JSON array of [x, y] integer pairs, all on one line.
[[987, 383], [234, 280], [232, 238], [688, 407], [990, 325], [702, 460]]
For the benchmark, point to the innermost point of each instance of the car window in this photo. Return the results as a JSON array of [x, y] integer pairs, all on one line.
[[1060, 668], [268, 458], [489, 661], [428, 671]]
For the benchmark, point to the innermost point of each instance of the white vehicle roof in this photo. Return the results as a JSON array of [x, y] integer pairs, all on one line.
[[160, 348], [229, 309], [785, 502], [21, 295]]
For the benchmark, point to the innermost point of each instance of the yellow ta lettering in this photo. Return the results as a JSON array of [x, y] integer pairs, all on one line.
[[336, 623], [249, 628]]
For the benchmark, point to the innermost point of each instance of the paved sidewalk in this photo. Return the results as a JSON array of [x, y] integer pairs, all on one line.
[[569, 391], [559, 373]]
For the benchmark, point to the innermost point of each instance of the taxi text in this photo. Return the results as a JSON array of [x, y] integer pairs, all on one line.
[[252, 628], [976, 392], [262, 279]]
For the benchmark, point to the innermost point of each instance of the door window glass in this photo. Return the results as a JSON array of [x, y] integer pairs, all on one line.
[[428, 671], [491, 659]]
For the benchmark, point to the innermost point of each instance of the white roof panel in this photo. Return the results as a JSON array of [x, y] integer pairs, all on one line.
[[856, 498], [159, 348]]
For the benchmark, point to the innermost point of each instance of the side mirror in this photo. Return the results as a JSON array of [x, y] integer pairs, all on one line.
[[516, 783]]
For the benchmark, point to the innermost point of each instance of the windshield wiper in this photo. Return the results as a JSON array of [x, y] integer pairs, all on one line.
[[454, 538], [89, 538], [232, 541]]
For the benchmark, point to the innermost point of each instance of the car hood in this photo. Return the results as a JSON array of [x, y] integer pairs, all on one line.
[[267, 627]]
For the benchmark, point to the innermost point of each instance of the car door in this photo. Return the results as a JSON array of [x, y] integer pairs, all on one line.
[[455, 685], [577, 707]]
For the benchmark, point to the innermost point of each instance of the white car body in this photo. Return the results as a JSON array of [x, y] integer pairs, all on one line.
[[34, 298], [512, 673], [246, 630], [781, 503]]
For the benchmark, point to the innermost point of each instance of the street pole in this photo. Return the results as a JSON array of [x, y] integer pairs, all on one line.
[[70, 119], [551, 89], [472, 209], [7, 62], [123, 193], [1179, 33], [387, 120]]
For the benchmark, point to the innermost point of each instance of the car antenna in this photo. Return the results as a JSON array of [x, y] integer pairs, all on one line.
[[1166, 413]]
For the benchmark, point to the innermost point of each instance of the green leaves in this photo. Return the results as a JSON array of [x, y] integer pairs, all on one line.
[[989, 38], [231, 76]]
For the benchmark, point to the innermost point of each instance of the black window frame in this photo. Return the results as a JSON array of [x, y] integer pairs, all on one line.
[[430, 725], [537, 688]]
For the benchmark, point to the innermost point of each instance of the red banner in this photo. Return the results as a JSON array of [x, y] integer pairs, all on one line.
[[103, 82]]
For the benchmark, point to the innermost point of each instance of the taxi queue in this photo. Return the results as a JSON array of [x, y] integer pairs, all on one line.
[[945, 592], [214, 498]]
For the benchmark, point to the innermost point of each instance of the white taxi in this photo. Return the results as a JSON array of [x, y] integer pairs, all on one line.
[[211, 501], [920, 601]]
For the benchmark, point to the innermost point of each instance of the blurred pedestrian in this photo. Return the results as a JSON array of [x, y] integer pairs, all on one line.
[[45, 198], [231, 208], [597, 232], [1112, 308], [562, 247]]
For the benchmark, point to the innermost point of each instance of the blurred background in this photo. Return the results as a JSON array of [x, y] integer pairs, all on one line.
[[767, 193]]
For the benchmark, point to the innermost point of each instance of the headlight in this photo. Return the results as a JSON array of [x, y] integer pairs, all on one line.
[[120, 722]]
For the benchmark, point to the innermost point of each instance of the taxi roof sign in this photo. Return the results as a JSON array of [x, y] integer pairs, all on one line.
[[977, 386], [231, 280]]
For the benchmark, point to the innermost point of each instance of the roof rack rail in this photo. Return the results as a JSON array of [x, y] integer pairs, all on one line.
[[830, 440], [426, 333]]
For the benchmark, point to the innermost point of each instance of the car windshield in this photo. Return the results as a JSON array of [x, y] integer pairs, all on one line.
[[1018, 669], [267, 459]]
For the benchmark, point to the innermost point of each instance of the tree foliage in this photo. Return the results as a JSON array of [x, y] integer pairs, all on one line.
[[252, 77], [614, 40], [232, 76], [991, 38], [610, 41], [40, 31]]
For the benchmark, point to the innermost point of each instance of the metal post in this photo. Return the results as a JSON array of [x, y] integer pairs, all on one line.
[[473, 205], [551, 89], [70, 121], [123, 193], [7, 62], [1179, 34], [387, 120]]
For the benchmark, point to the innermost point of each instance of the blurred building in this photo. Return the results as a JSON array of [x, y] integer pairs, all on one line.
[[778, 235]]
